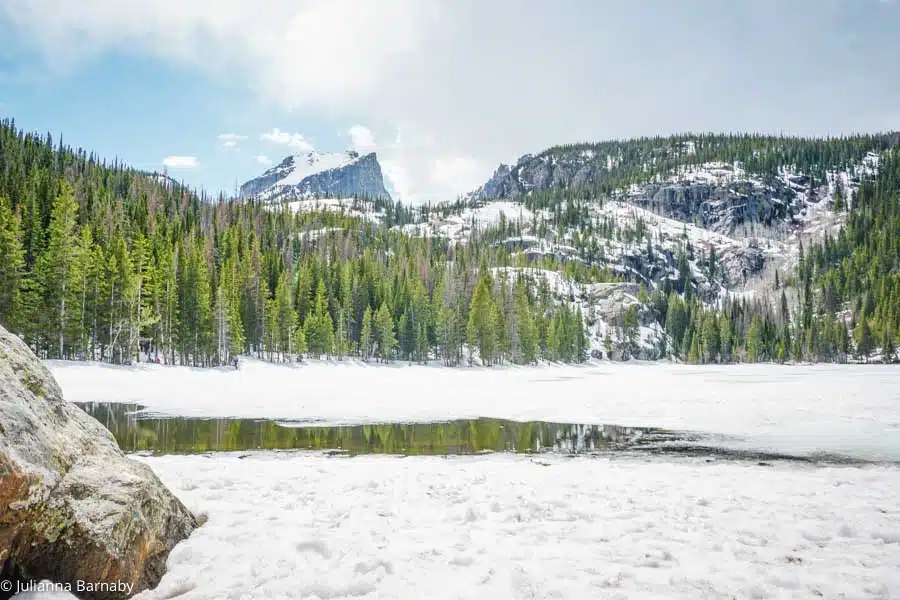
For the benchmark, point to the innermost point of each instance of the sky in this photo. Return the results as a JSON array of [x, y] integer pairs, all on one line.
[[443, 90]]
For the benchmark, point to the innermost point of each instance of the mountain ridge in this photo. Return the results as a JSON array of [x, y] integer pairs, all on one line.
[[618, 163]]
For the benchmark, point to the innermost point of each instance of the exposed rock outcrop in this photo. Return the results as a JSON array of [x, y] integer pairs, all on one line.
[[72, 506], [721, 206]]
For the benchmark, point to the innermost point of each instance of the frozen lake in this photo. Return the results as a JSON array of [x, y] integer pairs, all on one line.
[[391, 525], [845, 410]]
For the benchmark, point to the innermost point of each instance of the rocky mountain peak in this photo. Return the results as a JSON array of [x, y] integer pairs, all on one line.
[[320, 174]]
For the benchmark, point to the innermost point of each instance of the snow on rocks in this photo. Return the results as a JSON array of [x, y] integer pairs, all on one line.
[[346, 174]]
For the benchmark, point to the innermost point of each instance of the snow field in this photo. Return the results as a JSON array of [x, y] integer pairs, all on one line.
[[302, 525]]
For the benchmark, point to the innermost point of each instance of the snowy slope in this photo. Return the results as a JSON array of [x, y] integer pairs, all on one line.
[[364, 209], [457, 227], [313, 163]]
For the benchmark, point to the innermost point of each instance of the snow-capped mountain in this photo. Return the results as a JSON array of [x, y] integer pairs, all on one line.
[[320, 174]]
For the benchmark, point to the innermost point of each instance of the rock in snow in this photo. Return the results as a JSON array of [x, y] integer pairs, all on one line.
[[73, 509]]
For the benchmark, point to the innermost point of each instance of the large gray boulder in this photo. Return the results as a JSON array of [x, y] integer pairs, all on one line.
[[73, 508]]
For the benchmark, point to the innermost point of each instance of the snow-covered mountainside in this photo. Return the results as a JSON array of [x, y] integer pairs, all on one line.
[[726, 229], [640, 235], [320, 174]]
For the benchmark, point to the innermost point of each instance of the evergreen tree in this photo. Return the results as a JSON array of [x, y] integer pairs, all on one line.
[[384, 329], [838, 201], [887, 347], [89, 266], [286, 317], [527, 331], [319, 328], [482, 326], [754, 346], [711, 338], [367, 336], [726, 339], [12, 266], [694, 352], [864, 342], [57, 276]]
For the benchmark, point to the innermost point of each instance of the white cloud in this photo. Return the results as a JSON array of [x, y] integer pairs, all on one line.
[[263, 160], [231, 140], [292, 140], [455, 77], [180, 162], [362, 139]]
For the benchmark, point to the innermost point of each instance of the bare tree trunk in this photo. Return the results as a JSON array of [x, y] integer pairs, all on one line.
[[140, 289], [112, 295]]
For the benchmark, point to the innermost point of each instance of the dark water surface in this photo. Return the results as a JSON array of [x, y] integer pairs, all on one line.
[[137, 431]]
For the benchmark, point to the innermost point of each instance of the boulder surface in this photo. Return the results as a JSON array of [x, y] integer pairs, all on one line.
[[74, 510]]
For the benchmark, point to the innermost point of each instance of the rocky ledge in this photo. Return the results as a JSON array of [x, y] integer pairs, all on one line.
[[73, 509]]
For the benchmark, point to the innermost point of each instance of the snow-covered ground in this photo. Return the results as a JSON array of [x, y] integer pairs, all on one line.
[[513, 527], [852, 410], [303, 525], [308, 525]]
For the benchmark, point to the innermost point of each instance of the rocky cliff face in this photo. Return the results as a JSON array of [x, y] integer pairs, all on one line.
[[717, 196], [546, 170], [322, 175], [72, 506]]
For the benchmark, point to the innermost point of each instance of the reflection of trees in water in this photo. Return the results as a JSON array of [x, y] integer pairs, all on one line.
[[185, 435]]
